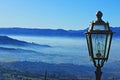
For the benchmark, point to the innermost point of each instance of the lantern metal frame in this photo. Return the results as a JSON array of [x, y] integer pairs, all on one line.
[[99, 61]]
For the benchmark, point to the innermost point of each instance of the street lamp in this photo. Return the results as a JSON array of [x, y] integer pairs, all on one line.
[[99, 37]]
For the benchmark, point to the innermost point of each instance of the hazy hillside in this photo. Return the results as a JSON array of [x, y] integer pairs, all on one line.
[[58, 69], [62, 69]]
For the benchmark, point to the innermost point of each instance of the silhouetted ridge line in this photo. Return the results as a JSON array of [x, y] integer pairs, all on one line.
[[42, 32], [50, 32]]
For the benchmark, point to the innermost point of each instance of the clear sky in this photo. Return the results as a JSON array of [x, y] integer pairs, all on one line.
[[64, 14]]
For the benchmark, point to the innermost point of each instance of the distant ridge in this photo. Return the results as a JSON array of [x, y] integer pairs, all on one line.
[[5, 40], [50, 32], [41, 32]]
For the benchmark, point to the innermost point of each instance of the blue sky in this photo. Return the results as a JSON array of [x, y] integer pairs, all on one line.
[[64, 14]]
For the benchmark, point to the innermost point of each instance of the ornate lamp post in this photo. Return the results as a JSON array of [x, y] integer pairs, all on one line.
[[99, 38]]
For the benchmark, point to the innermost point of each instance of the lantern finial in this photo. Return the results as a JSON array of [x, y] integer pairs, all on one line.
[[99, 15]]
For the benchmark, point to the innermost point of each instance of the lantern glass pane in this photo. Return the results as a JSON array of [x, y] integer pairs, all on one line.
[[100, 27], [98, 45], [89, 44], [108, 42]]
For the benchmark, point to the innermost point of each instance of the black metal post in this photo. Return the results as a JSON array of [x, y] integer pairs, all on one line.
[[98, 73]]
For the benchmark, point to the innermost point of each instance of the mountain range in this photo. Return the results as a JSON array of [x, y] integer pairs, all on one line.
[[50, 32], [40, 32], [41, 67]]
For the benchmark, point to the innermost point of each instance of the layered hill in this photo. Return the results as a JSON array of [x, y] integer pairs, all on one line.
[[5, 40]]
